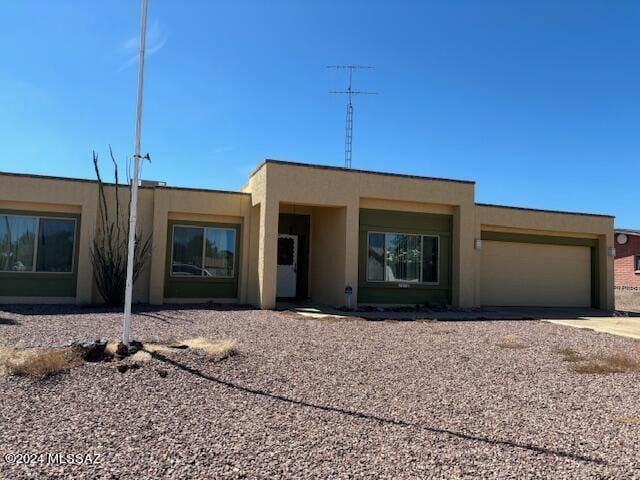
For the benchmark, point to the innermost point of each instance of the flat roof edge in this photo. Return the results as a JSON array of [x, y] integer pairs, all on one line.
[[628, 231], [204, 190], [111, 184], [355, 170], [562, 212]]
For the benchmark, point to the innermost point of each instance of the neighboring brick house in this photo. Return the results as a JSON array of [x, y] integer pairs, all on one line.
[[627, 261]]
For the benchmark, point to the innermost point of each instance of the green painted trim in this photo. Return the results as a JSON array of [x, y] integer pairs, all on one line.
[[406, 222], [43, 284], [543, 239], [201, 287], [592, 243], [595, 278], [412, 223]]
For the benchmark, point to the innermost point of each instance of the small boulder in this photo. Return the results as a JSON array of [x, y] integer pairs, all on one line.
[[91, 350], [135, 346], [162, 372], [122, 367], [122, 350]]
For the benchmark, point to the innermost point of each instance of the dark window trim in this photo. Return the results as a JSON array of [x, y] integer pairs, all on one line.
[[194, 279], [204, 238], [395, 282]]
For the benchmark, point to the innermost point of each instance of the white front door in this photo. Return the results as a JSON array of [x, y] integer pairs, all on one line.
[[287, 265]]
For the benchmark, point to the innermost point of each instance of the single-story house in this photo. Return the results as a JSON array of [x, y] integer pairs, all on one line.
[[309, 231], [627, 259]]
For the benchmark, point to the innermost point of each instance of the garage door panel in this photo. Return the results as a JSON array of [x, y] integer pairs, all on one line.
[[527, 274]]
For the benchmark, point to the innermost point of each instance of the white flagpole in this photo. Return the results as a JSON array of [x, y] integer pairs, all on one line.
[[126, 327]]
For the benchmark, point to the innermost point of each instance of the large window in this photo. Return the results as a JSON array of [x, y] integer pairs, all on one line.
[[393, 257], [36, 244], [203, 252]]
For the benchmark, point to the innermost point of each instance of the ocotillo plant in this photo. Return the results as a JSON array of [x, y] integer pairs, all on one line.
[[109, 250]]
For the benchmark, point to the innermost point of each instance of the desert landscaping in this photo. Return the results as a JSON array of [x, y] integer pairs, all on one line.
[[241, 393]]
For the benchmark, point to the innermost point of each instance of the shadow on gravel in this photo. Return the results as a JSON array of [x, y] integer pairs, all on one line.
[[400, 423], [198, 373], [163, 317], [8, 321]]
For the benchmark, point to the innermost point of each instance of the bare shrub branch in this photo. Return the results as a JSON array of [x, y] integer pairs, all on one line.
[[109, 250]]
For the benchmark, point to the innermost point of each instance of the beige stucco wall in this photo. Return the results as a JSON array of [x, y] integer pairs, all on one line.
[[327, 256], [47, 195], [333, 199], [155, 207], [207, 206], [280, 185], [144, 230], [276, 183]]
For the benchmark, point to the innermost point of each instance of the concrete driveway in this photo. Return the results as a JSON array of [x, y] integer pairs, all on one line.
[[591, 319], [623, 326]]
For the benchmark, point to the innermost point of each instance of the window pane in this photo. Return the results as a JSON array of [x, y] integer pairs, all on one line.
[[187, 251], [55, 245], [285, 251], [430, 259], [375, 257], [220, 252], [638, 262], [17, 242], [403, 257]]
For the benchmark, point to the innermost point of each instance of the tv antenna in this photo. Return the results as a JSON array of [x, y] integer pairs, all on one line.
[[350, 92]]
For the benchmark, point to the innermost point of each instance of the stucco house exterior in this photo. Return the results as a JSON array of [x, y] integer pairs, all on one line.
[[310, 231]]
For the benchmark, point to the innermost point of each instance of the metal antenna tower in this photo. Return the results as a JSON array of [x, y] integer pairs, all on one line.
[[349, 92]]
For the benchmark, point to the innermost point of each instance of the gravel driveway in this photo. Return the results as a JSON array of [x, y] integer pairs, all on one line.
[[323, 399]]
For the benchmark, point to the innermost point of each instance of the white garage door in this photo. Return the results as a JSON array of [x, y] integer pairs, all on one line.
[[530, 274]]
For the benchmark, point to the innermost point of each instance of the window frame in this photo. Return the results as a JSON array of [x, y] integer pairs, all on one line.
[[36, 241], [384, 266], [204, 249], [636, 263]]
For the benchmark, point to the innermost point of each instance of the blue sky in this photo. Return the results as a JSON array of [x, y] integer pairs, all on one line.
[[538, 101]]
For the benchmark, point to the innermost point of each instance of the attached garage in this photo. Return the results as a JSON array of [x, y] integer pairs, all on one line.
[[532, 270]]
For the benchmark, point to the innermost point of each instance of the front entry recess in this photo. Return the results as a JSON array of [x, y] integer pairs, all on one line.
[[287, 266]]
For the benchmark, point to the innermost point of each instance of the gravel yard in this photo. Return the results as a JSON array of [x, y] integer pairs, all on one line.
[[323, 399]]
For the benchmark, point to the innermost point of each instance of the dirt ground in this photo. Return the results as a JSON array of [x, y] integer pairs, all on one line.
[[309, 398]]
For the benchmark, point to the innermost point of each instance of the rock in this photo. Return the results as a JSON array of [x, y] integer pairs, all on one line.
[[122, 350], [134, 366], [122, 367], [134, 346], [162, 372], [92, 350]]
